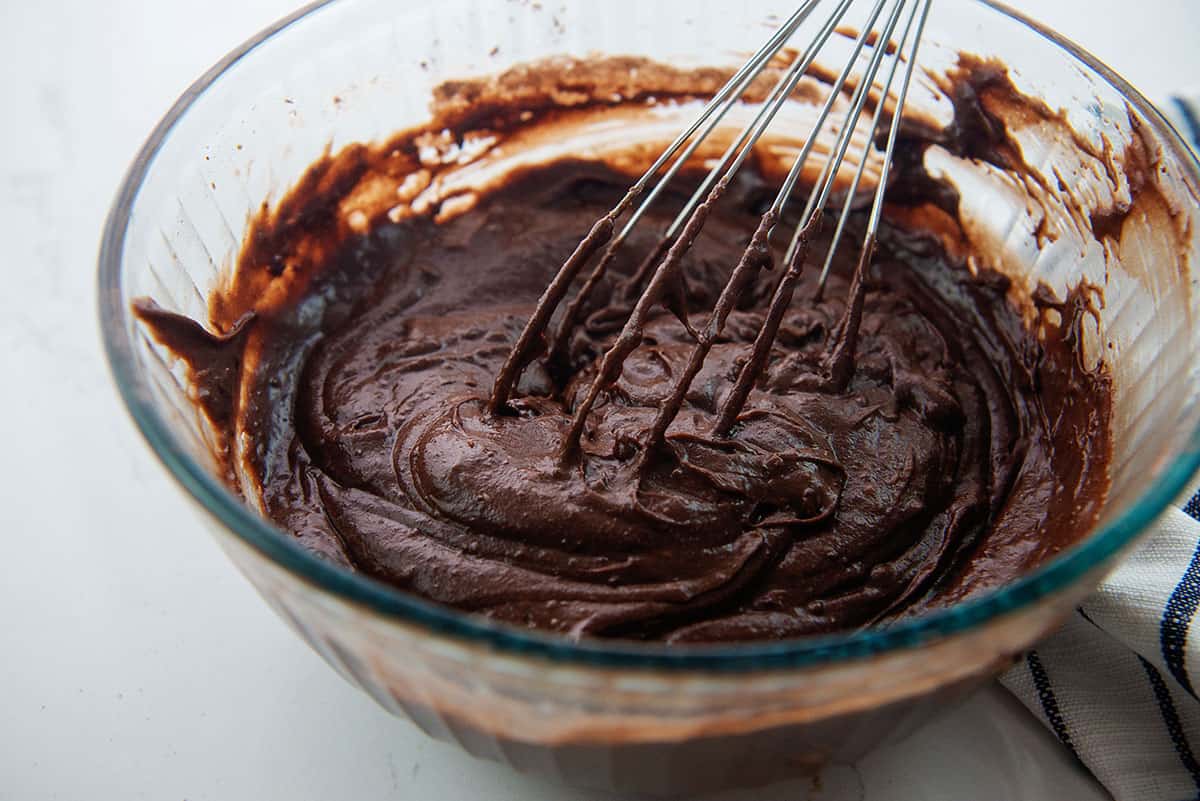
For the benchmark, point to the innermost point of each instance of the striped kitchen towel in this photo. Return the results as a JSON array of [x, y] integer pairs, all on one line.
[[1117, 684]]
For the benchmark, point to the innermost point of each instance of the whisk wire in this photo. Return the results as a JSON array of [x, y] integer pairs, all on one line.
[[739, 147], [751, 261], [661, 270], [601, 232], [852, 191], [893, 132], [810, 220], [755, 258]]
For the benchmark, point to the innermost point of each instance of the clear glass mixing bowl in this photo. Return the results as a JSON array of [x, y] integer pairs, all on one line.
[[620, 715]]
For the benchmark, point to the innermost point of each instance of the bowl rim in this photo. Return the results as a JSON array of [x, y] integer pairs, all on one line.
[[287, 553]]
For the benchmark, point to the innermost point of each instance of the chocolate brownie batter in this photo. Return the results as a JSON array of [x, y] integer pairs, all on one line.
[[886, 459]]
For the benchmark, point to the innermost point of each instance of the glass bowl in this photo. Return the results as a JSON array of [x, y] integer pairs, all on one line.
[[624, 716]]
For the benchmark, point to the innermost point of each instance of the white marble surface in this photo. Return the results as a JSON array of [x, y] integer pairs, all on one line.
[[134, 661]]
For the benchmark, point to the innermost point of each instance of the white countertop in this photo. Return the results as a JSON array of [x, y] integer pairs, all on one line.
[[134, 661]]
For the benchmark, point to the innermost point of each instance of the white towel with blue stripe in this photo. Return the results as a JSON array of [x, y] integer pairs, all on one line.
[[1117, 684]]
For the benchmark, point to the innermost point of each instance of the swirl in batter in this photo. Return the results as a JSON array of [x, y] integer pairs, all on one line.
[[962, 450]]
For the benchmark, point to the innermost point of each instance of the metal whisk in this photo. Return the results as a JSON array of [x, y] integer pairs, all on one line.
[[663, 263]]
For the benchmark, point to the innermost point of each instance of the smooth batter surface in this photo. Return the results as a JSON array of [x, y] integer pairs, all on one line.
[[963, 449]]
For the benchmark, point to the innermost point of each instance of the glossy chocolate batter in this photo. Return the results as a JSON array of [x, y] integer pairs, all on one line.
[[878, 466]]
